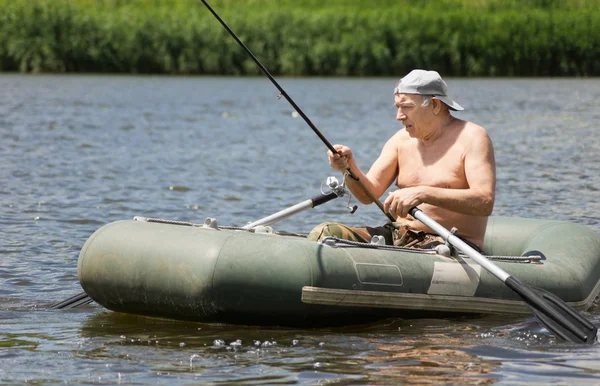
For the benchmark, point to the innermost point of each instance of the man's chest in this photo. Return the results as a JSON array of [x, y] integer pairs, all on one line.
[[433, 168]]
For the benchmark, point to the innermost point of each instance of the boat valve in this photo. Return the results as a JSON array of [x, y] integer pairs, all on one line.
[[210, 223]]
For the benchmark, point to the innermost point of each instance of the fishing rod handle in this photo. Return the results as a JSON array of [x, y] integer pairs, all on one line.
[[323, 198]]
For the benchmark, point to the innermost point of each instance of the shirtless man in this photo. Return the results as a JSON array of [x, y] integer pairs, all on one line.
[[440, 163]]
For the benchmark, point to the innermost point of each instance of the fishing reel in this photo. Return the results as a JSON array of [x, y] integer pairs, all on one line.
[[339, 189]]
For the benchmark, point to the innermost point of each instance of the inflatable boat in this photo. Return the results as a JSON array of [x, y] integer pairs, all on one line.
[[205, 272]]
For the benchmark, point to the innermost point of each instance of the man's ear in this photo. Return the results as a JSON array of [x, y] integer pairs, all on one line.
[[436, 104]]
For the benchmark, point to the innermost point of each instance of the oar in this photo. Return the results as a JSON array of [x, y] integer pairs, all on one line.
[[298, 110], [552, 312], [337, 191], [73, 302]]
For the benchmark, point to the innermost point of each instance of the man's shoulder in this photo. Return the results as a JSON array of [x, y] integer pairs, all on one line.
[[399, 137], [402, 140], [474, 137], [470, 129], [475, 126]]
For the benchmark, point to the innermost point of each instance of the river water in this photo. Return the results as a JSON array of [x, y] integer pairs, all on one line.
[[78, 152]]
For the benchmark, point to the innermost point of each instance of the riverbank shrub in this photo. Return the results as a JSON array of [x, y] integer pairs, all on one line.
[[310, 37]]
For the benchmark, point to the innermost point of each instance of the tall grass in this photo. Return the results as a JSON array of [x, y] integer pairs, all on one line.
[[310, 37]]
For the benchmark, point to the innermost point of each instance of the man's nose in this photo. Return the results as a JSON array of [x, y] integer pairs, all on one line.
[[400, 116]]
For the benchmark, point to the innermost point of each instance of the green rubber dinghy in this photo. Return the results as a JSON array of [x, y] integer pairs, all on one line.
[[209, 273]]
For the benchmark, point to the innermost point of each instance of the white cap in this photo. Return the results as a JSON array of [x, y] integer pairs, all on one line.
[[423, 82]]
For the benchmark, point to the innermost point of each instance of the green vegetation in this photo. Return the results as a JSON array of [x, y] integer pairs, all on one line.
[[303, 37]]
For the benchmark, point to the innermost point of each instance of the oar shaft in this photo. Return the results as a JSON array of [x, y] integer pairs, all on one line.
[[459, 244]]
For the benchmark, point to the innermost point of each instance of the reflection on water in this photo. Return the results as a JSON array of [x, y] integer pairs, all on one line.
[[81, 151], [431, 360]]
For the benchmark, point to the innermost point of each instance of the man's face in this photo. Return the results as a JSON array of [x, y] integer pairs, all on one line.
[[413, 114]]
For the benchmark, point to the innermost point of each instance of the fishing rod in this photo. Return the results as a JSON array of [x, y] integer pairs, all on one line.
[[298, 109]]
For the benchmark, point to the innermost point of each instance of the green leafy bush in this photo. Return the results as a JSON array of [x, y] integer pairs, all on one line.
[[310, 37]]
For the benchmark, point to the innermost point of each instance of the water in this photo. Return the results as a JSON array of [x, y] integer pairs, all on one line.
[[81, 151]]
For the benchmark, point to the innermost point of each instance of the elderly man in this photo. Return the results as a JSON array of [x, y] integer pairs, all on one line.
[[440, 163]]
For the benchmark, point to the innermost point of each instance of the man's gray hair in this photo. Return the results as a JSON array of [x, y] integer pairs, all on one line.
[[426, 100]]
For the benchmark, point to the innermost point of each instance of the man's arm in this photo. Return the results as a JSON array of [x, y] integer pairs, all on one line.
[[379, 177]]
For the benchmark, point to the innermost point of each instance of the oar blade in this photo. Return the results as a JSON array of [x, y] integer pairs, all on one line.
[[569, 325], [73, 302], [554, 314]]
